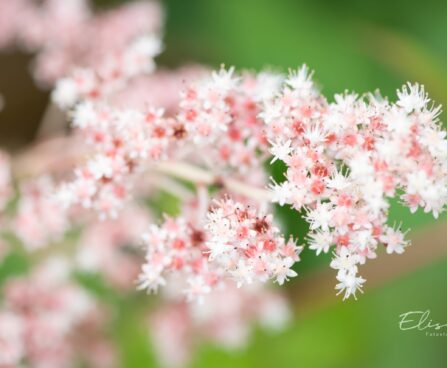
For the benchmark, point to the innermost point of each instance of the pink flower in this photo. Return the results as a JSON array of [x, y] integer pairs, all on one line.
[[211, 252], [359, 152]]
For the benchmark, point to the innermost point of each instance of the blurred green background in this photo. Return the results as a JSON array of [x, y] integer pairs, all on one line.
[[354, 45]]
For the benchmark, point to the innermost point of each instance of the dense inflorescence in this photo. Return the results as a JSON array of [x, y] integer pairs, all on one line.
[[346, 159], [40, 316], [217, 115], [68, 35], [234, 242]]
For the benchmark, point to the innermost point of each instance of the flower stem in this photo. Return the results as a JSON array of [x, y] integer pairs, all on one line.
[[185, 171]]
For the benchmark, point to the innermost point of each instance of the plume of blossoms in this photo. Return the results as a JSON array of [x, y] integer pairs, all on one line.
[[39, 315], [244, 241], [346, 159], [68, 34], [236, 242], [123, 141], [177, 327], [222, 112], [218, 115], [108, 75], [39, 218]]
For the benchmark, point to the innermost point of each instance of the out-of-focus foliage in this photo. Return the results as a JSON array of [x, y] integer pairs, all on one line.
[[350, 44]]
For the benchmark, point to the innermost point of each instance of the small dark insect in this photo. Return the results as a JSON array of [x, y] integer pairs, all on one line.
[[197, 237], [261, 225], [179, 131]]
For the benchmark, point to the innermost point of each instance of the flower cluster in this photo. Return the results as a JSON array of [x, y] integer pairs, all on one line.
[[235, 242], [225, 319], [177, 247], [345, 159], [217, 114], [223, 110], [246, 244], [39, 218], [109, 75], [39, 316], [68, 35]]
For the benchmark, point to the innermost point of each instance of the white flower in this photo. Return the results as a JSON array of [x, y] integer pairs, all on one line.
[[298, 196], [280, 150], [268, 84], [301, 80], [217, 248], [281, 193], [435, 141], [150, 278], [345, 261], [320, 217], [390, 149], [282, 270], [345, 101], [363, 238], [155, 238], [271, 112], [338, 181], [398, 121], [101, 166], [373, 193], [435, 197], [315, 135], [394, 241], [224, 80], [349, 283], [361, 167], [418, 182], [320, 241], [243, 273], [412, 98], [84, 115], [66, 93], [218, 225]]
